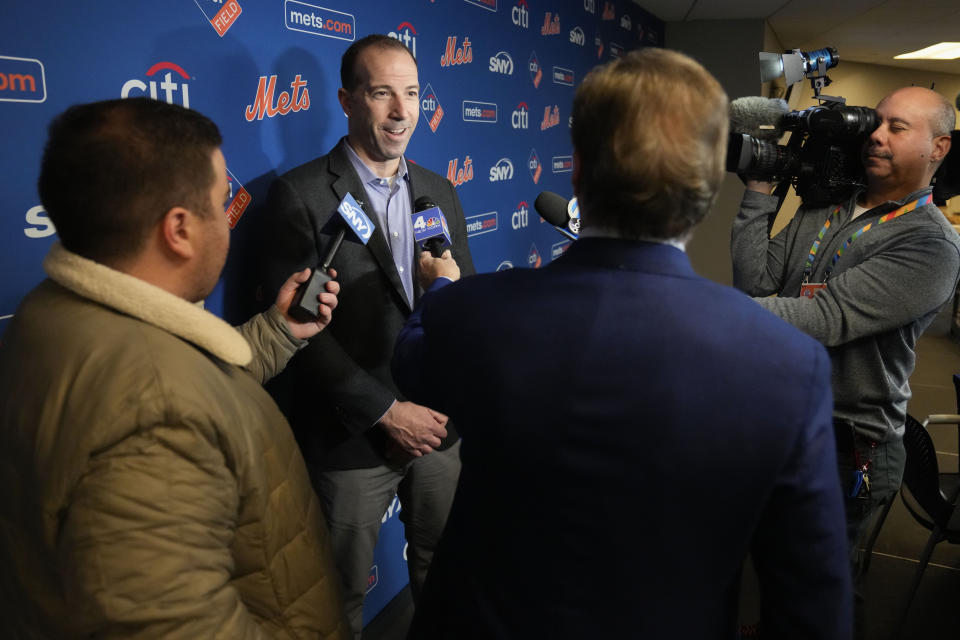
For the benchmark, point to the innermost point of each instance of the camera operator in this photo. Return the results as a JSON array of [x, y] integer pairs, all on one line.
[[865, 277]]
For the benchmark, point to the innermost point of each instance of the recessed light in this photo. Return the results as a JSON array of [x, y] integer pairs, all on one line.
[[939, 51]]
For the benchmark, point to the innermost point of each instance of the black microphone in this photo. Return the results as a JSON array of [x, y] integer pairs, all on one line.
[[303, 307], [758, 117], [552, 207], [430, 229]]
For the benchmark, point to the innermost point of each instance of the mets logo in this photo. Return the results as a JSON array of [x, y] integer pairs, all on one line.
[[168, 86], [287, 101], [221, 15], [533, 258], [22, 80], [406, 34], [520, 118], [431, 108], [502, 170], [551, 24], [501, 63], [462, 174], [536, 73], [454, 55], [533, 164], [551, 117]]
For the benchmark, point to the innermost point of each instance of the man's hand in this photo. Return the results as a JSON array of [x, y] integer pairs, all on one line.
[[760, 186], [432, 268], [417, 430], [326, 303]]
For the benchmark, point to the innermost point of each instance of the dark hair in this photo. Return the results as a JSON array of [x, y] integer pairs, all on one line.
[[112, 169], [650, 130], [348, 63]]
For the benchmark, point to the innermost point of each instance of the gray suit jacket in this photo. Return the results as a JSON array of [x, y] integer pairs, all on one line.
[[335, 389]]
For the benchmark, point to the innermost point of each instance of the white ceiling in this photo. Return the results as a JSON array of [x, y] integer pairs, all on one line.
[[872, 31]]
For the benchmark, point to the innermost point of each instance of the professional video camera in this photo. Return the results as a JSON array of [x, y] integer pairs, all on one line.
[[822, 158]]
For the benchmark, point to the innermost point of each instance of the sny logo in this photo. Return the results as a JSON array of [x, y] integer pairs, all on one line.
[[40, 224], [625, 22], [406, 34], [533, 164], [502, 170], [551, 118], [22, 80], [225, 14], [563, 76], [430, 105], [263, 105], [461, 175], [577, 37], [502, 63], [168, 86], [608, 13], [457, 55], [521, 217], [550, 27], [519, 119], [350, 211], [590, 6], [535, 73], [520, 14], [533, 258]]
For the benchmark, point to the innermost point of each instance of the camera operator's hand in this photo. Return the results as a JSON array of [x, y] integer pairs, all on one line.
[[760, 186]]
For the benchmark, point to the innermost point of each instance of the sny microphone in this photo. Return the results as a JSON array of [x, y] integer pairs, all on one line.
[[430, 229], [304, 305], [758, 117], [556, 210]]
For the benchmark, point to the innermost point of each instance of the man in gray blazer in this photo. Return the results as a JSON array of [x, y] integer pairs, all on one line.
[[362, 440]]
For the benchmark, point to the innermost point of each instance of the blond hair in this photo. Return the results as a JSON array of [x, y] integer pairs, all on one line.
[[650, 130]]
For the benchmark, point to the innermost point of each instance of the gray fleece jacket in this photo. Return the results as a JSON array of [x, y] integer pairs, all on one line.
[[882, 293]]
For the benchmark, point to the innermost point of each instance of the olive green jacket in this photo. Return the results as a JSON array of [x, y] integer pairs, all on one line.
[[150, 486]]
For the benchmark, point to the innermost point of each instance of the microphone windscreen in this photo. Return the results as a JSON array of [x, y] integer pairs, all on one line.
[[758, 117], [552, 207], [423, 203]]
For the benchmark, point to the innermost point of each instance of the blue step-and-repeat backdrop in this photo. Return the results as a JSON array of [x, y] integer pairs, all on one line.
[[497, 79]]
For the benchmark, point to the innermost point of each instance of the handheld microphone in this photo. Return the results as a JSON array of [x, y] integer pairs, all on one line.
[[758, 117], [555, 209], [430, 229], [304, 304]]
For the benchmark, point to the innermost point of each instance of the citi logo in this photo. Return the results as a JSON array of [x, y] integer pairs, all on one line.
[[502, 63], [286, 102], [239, 200], [561, 164], [590, 6], [563, 76], [406, 34], [167, 85], [373, 579], [551, 118], [431, 108], [625, 22], [520, 14], [22, 80], [533, 164], [551, 26], [462, 174], [520, 218], [489, 5], [533, 258], [503, 170], [520, 118], [536, 74], [225, 16], [608, 13], [577, 37], [454, 55], [598, 43]]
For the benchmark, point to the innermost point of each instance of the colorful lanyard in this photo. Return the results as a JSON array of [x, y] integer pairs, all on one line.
[[808, 268]]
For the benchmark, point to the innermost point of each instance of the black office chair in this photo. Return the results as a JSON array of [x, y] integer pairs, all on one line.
[[929, 495]]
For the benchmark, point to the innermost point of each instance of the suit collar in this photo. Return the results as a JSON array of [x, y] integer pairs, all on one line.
[[628, 255], [347, 181]]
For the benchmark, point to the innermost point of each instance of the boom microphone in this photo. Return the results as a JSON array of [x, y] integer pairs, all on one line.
[[430, 229], [304, 304], [553, 208], [758, 117]]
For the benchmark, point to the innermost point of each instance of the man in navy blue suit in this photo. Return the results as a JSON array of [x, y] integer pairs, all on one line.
[[630, 430]]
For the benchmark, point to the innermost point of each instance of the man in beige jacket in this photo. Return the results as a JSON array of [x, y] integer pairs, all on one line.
[[151, 488]]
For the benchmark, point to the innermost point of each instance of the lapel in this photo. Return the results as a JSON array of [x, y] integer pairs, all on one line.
[[415, 193], [347, 181]]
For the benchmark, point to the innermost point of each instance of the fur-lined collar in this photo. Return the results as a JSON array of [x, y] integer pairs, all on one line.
[[147, 302]]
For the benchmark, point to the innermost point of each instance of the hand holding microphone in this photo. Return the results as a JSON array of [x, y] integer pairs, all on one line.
[[431, 233]]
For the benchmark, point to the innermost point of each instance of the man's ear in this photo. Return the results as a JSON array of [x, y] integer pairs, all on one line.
[[177, 232], [344, 97], [941, 147]]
